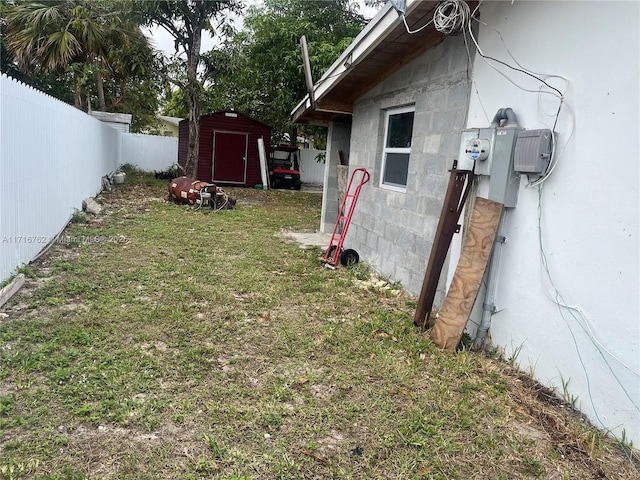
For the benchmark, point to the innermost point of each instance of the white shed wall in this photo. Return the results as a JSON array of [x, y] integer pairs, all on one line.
[[590, 205]]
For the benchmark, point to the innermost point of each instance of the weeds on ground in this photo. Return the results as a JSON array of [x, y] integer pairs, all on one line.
[[185, 343]]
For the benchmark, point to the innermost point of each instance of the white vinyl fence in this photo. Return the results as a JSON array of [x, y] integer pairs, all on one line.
[[310, 170], [148, 152], [52, 156]]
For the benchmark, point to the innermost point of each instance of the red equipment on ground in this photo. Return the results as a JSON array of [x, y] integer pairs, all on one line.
[[186, 190], [194, 192], [335, 252]]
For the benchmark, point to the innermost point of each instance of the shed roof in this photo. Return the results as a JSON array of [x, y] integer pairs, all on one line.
[[170, 120], [112, 117], [230, 113], [382, 48]]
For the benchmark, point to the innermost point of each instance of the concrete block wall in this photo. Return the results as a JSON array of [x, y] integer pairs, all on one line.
[[394, 231]]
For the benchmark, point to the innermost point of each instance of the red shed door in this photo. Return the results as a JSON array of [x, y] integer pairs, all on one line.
[[229, 157]]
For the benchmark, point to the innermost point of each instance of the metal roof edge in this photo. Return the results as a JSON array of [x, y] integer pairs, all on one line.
[[172, 120]]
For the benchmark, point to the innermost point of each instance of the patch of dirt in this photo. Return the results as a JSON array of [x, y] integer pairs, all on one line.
[[332, 442], [547, 424], [323, 392], [248, 197]]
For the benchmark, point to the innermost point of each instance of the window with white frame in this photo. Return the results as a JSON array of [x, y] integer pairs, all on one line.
[[397, 148]]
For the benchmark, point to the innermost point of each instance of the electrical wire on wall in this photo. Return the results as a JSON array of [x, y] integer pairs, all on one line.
[[559, 301], [542, 78], [579, 316], [450, 16], [453, 16]]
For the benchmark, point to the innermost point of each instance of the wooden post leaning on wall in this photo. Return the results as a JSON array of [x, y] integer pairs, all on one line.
[[454, 201]]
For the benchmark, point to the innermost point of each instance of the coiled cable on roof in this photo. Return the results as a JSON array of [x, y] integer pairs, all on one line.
[[451, 16]]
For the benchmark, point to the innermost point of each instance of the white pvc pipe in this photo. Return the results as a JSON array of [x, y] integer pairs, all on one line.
[[262, 153]]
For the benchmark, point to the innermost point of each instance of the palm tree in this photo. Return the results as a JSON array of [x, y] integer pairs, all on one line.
[[69, 35]]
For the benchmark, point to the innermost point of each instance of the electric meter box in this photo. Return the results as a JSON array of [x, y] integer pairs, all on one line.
[[490, 151], [475, 150], [533, 151], [465, 162]]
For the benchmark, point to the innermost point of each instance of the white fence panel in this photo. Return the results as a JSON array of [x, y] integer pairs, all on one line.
[[148, 152], [51, 157], [310, 170]]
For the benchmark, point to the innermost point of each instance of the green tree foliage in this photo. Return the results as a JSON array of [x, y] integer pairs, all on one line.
[[175, 104], [83, 52], [186, 20], [259, 71], [55, 84]]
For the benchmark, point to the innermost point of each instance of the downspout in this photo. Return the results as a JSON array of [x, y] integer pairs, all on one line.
[[489, 307]]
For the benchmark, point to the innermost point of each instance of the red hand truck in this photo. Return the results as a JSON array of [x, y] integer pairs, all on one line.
[[335, 252]]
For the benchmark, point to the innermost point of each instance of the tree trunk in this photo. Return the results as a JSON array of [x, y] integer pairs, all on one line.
[[193, 98], [191, 167], [77, 94], [77, 100], [100, 86]]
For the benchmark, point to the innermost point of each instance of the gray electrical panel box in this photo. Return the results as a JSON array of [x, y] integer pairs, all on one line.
[[533, 151], [504, 182], [490, 151], [488, 136]]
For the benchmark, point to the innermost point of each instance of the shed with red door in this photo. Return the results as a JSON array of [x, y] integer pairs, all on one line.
[[228, 148]]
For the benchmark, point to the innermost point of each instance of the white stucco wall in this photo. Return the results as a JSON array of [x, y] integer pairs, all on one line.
[[590, 205]]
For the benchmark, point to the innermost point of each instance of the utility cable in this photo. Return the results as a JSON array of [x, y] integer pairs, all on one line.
[[411, 32], [542, 78], [559, 301], [451, 16]]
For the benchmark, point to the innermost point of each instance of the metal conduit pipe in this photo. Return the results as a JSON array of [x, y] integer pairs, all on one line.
[[488, 307], [505, 114]]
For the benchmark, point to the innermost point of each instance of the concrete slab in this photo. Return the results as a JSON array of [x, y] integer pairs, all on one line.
[[312, 187], [309, 239], [306, 188]]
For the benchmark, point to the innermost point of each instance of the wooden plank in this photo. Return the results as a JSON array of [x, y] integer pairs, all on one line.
[[10, 290], [447, 227], [476, 252]]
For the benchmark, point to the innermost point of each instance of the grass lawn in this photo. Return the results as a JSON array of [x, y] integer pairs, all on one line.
[[161, 341]]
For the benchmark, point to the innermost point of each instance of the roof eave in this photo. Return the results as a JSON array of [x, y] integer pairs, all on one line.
[[369, 34], [362, 46]]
